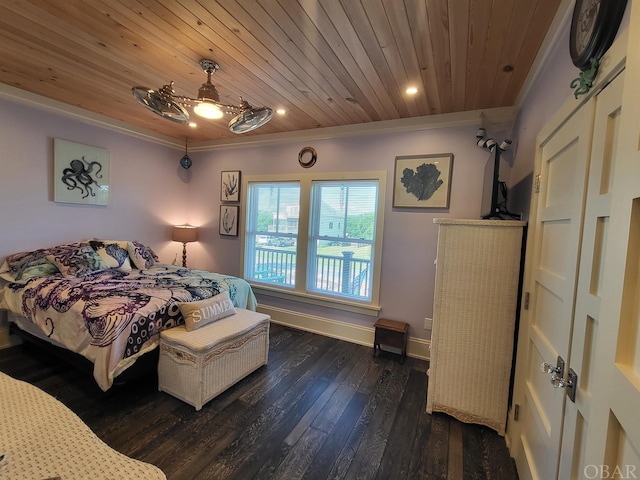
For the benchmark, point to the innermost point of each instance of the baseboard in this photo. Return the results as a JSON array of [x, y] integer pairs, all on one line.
[[417, 347]]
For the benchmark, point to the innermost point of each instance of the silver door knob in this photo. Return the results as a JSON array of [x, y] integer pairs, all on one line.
[[557, 377], [557, 369], [559, 382], [548, 368]]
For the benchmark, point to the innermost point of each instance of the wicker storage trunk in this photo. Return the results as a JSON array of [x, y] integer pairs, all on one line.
[[198, 365]]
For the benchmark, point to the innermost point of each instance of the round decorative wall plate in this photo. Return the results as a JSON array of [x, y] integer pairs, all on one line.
[[307, 157], [593, 28]]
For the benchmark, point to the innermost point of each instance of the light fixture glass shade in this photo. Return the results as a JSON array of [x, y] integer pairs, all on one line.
[[250, 119], [185, 234], [160, 105], [185, 162], [208, 110]]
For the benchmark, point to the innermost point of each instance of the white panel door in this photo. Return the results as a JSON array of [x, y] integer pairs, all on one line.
[[551, 281], [587, 318], [613, 449]]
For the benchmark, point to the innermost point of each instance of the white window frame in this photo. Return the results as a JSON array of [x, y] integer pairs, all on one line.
[[299, 292]]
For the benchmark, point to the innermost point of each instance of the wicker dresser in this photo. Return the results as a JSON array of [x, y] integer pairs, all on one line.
[[474, 312]]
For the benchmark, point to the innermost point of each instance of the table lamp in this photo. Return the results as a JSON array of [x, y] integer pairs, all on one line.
[[184, 234]]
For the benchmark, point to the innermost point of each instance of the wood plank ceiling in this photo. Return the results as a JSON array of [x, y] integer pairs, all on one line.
[[326, 62]]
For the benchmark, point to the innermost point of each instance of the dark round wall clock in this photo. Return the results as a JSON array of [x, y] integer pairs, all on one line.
[[593, 27]]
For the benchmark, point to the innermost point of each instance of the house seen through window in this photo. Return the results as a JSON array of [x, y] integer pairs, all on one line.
[[315, 236]]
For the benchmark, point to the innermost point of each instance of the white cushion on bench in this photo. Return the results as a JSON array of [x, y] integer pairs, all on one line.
[[205, 338]]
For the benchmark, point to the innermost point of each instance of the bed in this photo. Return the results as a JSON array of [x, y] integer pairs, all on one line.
[[41, 438], [106, 300]]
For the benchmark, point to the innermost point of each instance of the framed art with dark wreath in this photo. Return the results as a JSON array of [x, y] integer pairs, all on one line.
[[422, 181], [230, 186], [229, 220]]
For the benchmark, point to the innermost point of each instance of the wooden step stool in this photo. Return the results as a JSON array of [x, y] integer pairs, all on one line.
[[393, 334]]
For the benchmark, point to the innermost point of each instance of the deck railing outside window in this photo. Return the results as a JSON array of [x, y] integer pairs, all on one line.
[[334, 274]]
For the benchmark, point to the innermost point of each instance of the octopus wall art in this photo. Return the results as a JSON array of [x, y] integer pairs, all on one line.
[[81, 173]]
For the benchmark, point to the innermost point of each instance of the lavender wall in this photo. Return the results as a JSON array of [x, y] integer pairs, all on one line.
[[409, 250], [547, 94], [147, 194], [150, 192]]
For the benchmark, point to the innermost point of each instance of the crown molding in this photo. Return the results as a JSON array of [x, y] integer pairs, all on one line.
[[54, 106], [447, 120]]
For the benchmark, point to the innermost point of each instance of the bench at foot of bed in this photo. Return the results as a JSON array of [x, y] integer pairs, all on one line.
[[197, 366]]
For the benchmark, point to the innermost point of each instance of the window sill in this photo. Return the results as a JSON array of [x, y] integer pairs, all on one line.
[[305, 297]]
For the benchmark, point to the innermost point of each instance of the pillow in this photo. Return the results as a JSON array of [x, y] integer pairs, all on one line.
[[30, 271], [5, 273], [20, 263], [141, 255], [115, 254], [78, 262], [203, 312]]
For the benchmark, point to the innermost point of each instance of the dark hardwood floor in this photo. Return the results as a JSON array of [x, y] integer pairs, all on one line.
[[322, 408]]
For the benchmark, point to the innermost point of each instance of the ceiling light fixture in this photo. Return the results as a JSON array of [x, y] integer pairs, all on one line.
[[167, 104]]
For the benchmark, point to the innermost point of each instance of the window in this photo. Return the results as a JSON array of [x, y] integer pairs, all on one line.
[[316, 238], [272, 232], [340, 259]]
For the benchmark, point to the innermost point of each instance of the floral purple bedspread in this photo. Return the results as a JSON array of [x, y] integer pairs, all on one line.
[[111, 317]]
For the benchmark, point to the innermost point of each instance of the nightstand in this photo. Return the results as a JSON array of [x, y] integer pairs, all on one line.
[[393, 334]]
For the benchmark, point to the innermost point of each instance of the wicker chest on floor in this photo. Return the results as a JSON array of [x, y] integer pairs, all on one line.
[[196, 366]]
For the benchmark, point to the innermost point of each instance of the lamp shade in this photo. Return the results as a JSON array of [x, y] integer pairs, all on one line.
[[185, 233]]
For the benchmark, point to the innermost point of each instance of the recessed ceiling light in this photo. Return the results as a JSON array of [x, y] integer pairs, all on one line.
[[193, 124], [411, 90], [281, 111]]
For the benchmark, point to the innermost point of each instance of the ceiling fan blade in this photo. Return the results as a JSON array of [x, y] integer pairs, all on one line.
[[160, 105], [250, 119]]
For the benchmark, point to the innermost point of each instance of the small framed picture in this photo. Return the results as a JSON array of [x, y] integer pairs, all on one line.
[[229, 220], [230, 186], [422, 181], [80, 173]]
